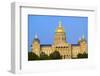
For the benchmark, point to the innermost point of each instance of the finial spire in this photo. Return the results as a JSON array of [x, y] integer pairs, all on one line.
[[60, 24], [83, 37], [79, 39], [36, 36]]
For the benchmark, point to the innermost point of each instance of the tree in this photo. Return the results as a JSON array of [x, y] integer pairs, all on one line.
[[32, 56], [84, 55], [55, 55], [44, 56]]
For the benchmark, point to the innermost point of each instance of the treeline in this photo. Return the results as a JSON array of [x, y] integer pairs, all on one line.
[[54, 55], [43, 56], [84, 55]]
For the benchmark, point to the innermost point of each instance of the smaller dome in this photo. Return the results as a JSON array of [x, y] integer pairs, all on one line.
[[36, 39], [82, 39]]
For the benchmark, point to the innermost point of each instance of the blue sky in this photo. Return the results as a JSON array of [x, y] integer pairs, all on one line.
[[45, 26]]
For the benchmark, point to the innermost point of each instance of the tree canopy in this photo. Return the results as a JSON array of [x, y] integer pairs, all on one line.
[[32, 56], [55, 55], [84, 55]]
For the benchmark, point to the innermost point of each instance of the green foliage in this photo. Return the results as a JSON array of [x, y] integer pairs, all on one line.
[[32, 56], [84, 55], [55, 55], [43, 56]]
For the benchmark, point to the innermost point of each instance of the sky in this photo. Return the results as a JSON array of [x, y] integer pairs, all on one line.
[[45, 26]]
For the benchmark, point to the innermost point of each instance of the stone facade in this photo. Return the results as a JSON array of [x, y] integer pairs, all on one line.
[[67, 51]]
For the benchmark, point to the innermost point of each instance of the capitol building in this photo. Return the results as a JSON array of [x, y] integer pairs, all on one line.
[[66, 50]]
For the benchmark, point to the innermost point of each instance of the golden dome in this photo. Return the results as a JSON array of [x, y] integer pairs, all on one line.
[[60, 28]]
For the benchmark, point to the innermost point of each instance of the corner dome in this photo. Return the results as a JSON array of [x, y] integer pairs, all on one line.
[[36, 39]]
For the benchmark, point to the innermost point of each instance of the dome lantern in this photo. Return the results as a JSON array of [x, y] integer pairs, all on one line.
[[60, 28], [60, 24]]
